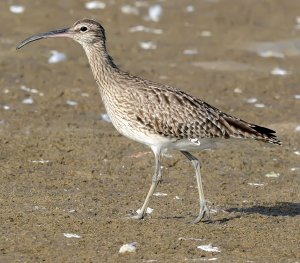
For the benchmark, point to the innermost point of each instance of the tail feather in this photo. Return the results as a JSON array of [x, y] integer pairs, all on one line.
[[243, 129], [267, 133]]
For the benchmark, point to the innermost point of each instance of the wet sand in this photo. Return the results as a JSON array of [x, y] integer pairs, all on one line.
[[64, 170]]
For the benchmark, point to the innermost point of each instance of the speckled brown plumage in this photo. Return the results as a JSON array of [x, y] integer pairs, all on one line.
[[163, 110], [154, 114]]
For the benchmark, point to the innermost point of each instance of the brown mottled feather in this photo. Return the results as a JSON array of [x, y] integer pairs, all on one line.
[[154, 114], [164, 110], [154, 108]]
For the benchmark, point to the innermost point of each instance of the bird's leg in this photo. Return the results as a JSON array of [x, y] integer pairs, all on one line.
[[204, 211], [155, 180]]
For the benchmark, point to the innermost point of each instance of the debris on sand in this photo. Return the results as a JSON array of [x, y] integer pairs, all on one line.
[[130, 248], [209, 248]]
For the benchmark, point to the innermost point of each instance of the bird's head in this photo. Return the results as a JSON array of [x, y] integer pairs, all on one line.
[[86, 32]]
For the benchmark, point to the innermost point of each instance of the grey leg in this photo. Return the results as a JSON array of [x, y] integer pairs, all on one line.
[[204, 211], [155, 180]]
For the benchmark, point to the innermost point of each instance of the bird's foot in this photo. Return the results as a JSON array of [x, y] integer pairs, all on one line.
[[137, 214], [204, 212]]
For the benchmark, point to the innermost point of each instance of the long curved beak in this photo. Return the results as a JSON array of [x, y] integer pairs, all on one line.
[[54, 33]]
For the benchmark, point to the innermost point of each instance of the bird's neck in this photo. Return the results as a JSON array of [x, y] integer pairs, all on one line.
[[102, 65]]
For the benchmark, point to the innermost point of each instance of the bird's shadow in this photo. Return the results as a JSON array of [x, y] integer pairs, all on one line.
[[280, 209], [287, 209]]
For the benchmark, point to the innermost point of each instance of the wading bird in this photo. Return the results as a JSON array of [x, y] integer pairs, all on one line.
[[157, 115]]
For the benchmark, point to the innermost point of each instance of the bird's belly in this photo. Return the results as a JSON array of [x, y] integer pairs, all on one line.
[[131, 130], [164, 143], [195, 144], [138, 134]]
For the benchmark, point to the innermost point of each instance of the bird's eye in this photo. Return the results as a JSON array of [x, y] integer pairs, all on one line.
[[83, 29]]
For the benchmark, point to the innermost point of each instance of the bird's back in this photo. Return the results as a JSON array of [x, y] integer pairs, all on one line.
[[160, 110]]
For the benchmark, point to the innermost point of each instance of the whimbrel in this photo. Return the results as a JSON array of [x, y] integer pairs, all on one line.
[[157, 115]]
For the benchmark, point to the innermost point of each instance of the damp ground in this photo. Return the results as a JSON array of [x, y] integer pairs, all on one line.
[[68, 180]]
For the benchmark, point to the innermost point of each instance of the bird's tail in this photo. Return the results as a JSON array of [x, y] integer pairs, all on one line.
[[243, 129]]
